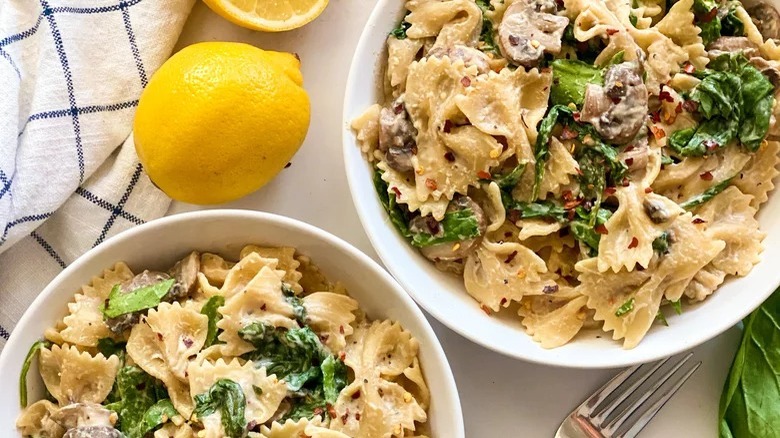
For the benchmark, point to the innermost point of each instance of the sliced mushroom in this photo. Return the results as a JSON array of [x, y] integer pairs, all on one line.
[[147, 278], [84, 414], [766, 19], [450, 251], [397, 137], [656, 211], [94, 432], [529, 29], [732, 44], [469, 55], [185, 271], [618, 109]]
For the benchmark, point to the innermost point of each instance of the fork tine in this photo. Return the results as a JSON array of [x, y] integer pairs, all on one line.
[[642, 421], [604, 412], [595, 400], [615, 424]]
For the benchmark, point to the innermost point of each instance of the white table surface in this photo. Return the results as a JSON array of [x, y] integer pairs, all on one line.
[[501, 397]]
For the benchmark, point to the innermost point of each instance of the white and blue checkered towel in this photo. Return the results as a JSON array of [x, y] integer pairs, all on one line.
[[71, 73]]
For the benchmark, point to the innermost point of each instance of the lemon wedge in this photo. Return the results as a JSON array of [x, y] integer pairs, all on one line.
[[268, 15]]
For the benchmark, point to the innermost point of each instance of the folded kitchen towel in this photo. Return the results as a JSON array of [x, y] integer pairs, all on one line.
[[71, 73]]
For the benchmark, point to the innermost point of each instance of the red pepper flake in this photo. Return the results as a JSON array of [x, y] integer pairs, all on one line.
[[356, 395], [342, 356], [568, 133], [601, 229], [341, 329], [689, 68], [706, 176], [357, 416], [658, 133], [615, 100], [160, 336], [678, 108], [502, 141], [331, 410], [345, 417], [263, 307], [483, 175], [579, 171], [710, 144], [503, 299], [484, 309], [611, 32], [572, 204], [665, 95], [576, 116], [709, 16], [559, 3], [655, 116], [447, 126], [625, 182], [513, 215], [648, 190], [510, 257], [431, 184], [449, 156], [691, 106], [397, 192], [629, 161], [698, 220], [466, 81], [634, 243], [610, 191], [567, 196], [398, 109], [318, 410]]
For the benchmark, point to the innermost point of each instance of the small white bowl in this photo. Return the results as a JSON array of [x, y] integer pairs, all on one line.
[[157, 244], [444, 296]]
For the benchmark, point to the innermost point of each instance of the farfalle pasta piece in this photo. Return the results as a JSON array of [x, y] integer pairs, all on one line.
[[757, 176], [331, 316], [498, 273], [383, 348], [84, 326], [260, 301], [405, 191], [631, 231], [303, 427], [678, 25], [35, 421], [144, 349], [704, 283], [450, 22], [559, 170], [72, 376], [181, 333], [366, 127], [552, 321], [400, 54], [314, 280], [286, 262], [260, 404], [170, 430], [214, 269]]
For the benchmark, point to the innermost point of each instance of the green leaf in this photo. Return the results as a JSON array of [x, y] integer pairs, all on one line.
[[210, 310], [139, 299], [227, 397], [297, 304], [394, 211], [750, 402], [625, 307], [632, 18], [585, 234], [661, 243], [539, 210], [293, 355], [708, 136], [487, 35], [708, 194], [109, 347], [456, 226], [754, 129], [660, 317], [707, 21], [307, 406], [508, 181], [570, 78], [677, 306], [542, 146], [400, 31], [334, 378], [137, 392], [34, 348], [157, 415], [731, 25]]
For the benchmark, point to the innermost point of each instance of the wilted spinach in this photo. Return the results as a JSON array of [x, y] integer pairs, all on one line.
[[210, 310], [227, 397], [140, 402], [570, 78], [34, 348], [487, 37], [394, 211], [456, 226], [143, 298], [705, 196], [299, 311]]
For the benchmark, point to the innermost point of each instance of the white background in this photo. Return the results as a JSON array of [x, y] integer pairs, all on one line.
[[501, 397]]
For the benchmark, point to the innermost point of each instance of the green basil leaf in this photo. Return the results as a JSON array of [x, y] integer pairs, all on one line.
[[140, 299], [585, 234], [456, 226], [661, 318], [625, 308], [570, 78], [210, 310], [227, 397], [539, 210], [750, 402], [34, 348]]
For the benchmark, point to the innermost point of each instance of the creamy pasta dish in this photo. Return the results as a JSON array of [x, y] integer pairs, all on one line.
[[263, 347], [580, 163]]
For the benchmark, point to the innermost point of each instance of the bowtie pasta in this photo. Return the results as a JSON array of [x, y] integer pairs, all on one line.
[[580, 163], [264, 347]]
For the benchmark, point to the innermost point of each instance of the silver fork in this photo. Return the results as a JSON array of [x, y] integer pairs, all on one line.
[[596, 418]]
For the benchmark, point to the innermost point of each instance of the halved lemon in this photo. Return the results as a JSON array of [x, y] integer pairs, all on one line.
[[268, 15]]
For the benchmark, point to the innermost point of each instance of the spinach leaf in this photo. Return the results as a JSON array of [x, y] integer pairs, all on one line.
[[456, 226], [297, 304], [539, 210], [750, 402], [542, 146], [136, 393], [210, 310], [312, 403], [708, 194], [334, 378], [754, 129], [508, 181], [709, 135], [226, 396], [293, 355], [585, 234], [625, 308], [34, 348], [570, 78], [661, 243], [157, 415], [394, 211], [109, 347], [399, 32], [705, 16], [487, 36], [139, 299], [731, 25]]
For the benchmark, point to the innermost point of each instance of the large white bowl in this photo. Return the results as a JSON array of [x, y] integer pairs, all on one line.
[[444, 296], [159, 243]]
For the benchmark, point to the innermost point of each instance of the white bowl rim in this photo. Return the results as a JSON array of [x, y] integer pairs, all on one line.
[[332, 240], [543, 357]]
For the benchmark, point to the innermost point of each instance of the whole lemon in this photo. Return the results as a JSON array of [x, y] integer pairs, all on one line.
[[219, 120]]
